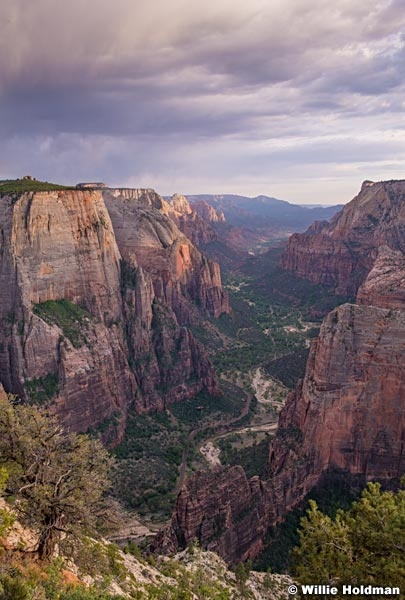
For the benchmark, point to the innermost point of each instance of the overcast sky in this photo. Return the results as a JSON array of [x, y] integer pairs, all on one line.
[[297, 99]]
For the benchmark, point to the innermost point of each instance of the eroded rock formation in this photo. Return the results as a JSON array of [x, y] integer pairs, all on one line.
[[223, 510], [348, 414], [341, 253], [94, 319], [149, 238], [194, 225]]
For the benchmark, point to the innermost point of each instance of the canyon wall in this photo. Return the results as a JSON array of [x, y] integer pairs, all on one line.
[[348, 413], [341, 253], [94, 318]]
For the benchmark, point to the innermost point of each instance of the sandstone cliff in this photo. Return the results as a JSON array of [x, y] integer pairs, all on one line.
[[194, 225], [60, 246], [342, 252], [88, 330], [150, 239], [208, 212], [348, 414], [223, 510], [385, 283]]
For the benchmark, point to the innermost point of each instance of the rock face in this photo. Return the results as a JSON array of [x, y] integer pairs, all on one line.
[[61, 246], [208, 212], [194, 225], [347, 415], [224, 510], [93, 325], [148, 238], [385, 283], [342, 252]]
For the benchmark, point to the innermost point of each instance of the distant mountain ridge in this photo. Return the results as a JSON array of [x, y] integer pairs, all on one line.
[[264, 210]]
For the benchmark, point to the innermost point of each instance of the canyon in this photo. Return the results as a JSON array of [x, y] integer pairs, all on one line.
[[101, 290], [97, 292], [347, 415]]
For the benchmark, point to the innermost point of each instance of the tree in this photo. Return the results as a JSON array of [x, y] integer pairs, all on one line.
[[364, 545], [57, 478]]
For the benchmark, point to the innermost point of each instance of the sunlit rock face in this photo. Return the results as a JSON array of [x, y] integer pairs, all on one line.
[[123, 289], [195, 226], [348, 413], [341, 253], [180, 273]]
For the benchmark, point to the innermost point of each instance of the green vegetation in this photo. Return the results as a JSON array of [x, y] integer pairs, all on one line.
[[337, 490], [254, 458], [17, 186], [70, 317], [42, 389], [286, 289], [28, 581], [149, 457], [365, 544], [204, 409], [289, 368], [57, 479], [148, 462]]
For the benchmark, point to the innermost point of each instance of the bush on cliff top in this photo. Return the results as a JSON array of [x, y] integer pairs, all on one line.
[[13, 186]]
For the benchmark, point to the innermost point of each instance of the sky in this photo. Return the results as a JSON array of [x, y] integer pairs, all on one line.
[[296, 99]]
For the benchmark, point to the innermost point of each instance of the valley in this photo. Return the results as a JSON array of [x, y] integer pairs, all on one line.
[[229, 393], [256, 370]]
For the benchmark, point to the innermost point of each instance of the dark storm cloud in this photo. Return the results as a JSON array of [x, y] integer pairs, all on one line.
[[142, 89]]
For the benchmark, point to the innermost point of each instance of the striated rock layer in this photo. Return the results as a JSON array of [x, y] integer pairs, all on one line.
[[346, 416], [88, 330], [341, 253], [148, 237], [224, 510], [194, 226]]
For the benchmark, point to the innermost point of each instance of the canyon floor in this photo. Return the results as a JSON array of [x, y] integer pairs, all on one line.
[[259, 352]]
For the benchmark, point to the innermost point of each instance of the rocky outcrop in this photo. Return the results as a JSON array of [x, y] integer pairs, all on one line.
[[385, 284], [208, 212], [341, 253], [349, 412], [223, 510], [194, 226], [150, 239], [94, 326]]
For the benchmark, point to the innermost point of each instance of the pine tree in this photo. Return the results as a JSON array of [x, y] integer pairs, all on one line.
[[57, 478], [364, 545]]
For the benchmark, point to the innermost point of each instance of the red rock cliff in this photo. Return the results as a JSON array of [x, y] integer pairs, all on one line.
[[190, 222], [348, 414], [117, 337], [341, 253], [179, 272], [61, 246]]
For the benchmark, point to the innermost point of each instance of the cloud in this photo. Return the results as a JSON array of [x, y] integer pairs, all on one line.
[[134, 90]]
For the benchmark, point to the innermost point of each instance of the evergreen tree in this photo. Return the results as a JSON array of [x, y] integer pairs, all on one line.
[[364, 545], [57, 478]]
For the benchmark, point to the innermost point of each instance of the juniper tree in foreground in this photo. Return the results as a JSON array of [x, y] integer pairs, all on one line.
[[58, 479]]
